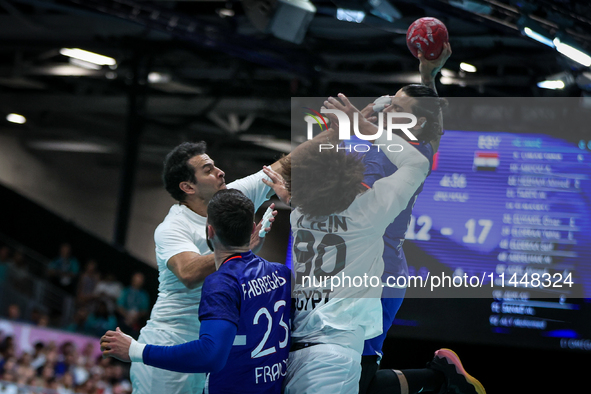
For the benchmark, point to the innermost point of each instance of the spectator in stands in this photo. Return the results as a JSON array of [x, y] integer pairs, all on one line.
[[64, 269], [87, 283], [109, 290], [100, 319], [8, 370], [6, 352], [66, 360], [38, 357], [133, 304], [19, 278], [4, 262], [79, 323], [24, 370], [39, 318], [14, 313]]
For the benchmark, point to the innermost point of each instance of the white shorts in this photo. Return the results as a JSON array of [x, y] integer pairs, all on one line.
[[325, 369], [150, 380]]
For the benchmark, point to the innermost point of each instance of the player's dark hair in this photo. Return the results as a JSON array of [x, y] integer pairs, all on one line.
[[428, 106], [231, 214], [324, 183], [177, 168]]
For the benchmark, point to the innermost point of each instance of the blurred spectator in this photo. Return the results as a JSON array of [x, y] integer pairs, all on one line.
[[66, 361], [87, 283], [14, 313], [109, 290], [134, 303], [39, 318], [79, 323], [19, 275], [4, 262], [38, 355], [100, 321], [64, 269], [24, 370], [9, 369]]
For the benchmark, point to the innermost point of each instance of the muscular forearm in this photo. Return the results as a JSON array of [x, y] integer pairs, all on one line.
[[429, 81], [191, 268], [208, 354]]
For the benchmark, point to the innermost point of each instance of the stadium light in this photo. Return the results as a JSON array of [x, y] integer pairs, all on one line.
[[560, 80], [558, 84], [534, 30], [87, 56], [156, 77], [538, 37], [16, 118], [350, 15], [467, 67], [571, 52], [84, 64]]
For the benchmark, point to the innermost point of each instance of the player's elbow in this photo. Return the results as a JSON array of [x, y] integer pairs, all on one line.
[[421, 164], [215, 361], [191, 282], [217, 365], [191, 278]]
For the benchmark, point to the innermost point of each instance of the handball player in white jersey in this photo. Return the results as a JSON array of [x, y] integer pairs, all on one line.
[[338, 225], [184, 259]]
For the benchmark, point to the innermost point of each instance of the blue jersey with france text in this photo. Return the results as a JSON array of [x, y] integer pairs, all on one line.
[[255, 295], [378, 166]]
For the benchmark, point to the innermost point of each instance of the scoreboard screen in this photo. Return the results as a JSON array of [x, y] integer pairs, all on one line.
[[508, 202], [515, 206]]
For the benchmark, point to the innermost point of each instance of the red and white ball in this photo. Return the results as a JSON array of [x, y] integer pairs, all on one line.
[[427, 35]]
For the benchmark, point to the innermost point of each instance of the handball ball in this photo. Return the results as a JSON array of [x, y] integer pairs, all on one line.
[[427, 35]]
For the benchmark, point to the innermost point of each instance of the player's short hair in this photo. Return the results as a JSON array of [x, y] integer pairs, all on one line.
[[231, 214], [177, 168], [324, 183], [429, 105]]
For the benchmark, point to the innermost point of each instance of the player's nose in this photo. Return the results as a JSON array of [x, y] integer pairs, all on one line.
[[221, 174]]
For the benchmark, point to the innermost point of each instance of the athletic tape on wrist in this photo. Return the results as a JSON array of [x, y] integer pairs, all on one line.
[[381, 103], [266, 222]]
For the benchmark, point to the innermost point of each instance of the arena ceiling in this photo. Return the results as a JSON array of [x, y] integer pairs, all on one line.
[[202, 70]]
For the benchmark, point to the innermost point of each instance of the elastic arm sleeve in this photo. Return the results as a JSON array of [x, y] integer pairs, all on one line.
[[207, 354]]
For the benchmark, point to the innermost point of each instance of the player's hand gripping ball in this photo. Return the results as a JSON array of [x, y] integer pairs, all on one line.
[[427, 35]]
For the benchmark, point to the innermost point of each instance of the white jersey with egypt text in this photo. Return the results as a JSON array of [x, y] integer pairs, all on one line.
[[349, 244], [183, 230]]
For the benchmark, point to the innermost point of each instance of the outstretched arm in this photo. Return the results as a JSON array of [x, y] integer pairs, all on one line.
[[429, 70], [207, 354]]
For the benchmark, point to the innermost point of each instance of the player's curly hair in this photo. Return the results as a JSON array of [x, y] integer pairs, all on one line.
[[177, 168], [323, 183], [429, 105]]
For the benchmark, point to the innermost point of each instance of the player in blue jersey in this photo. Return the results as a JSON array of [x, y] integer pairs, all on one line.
[[423, 101], [245, 309]]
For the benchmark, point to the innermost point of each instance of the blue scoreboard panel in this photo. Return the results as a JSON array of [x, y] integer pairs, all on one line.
[[514, 209]]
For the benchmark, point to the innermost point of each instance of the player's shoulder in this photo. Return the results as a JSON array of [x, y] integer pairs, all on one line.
[[281, 268], [425, 148], [275, 267], [175, 220], [221, 279]]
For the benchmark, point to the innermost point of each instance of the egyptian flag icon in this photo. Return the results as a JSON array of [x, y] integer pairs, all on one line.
[[486, 161]]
